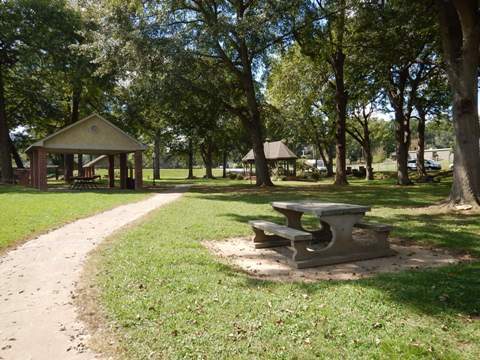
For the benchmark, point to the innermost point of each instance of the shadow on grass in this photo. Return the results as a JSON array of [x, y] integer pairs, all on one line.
[[454, 231], [64, 189], [390, 196], [452, 290]]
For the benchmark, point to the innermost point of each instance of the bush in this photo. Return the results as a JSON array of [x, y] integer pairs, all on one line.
[[240, 177], [232, 176], [315, 175]]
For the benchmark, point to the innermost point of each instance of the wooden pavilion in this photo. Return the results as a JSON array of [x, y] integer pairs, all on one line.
[[91, 135], [276, 153]]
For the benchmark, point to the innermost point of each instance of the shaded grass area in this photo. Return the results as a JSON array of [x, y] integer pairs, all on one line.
[[25, 212], [167, 297]]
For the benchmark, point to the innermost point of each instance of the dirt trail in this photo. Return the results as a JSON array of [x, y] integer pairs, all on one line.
[[37, 283]]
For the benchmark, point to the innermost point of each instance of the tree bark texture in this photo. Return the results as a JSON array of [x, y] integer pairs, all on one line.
[[16, 155], [206, 149], [341, 99], [422, 172], [190, 159], [156, 157], [402, 126], [224, 163], [5, 157], [460, 34]]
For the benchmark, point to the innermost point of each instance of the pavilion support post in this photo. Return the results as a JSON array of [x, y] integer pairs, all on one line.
[[81, 170], [123, 171], [111, 171], [33, 168], [42, 169], [138, 170]]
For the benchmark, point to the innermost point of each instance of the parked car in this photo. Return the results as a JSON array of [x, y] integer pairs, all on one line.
[[429, 165], [318, 164]]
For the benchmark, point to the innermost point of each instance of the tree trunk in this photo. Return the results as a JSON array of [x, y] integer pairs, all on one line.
[[5, 158], [224, 163], [206, 149], [253, 122], [340, 129], [322, 155], [367, 149], [460, 33], [402, 137], [262, 172], [190, 159], [422, 172], [402, 126], [16, 155], [368, 160], [156, 157], [329, 163]]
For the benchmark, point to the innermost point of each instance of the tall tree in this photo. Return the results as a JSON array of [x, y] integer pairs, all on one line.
[[298, 87], [322, 34], [28, 31], [359, 130], [431, 100], [232, 38], [399, 37], [460, 34]]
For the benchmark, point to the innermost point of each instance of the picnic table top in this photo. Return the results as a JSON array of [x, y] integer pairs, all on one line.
[[86, 178], [321, 208]]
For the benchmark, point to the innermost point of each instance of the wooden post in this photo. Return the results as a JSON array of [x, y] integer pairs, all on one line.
[[123, 171], [111, 171], [138, 170], [42, 169]]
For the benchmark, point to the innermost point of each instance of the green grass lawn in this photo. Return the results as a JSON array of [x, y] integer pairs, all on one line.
[[25, 212], [167, 297]]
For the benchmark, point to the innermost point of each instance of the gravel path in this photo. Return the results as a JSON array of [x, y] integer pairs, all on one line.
[[37, 283]]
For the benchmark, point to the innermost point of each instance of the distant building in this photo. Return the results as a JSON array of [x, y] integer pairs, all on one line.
[[443, 154]]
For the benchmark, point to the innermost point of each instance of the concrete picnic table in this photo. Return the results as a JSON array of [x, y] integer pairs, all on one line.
[[338, 221]]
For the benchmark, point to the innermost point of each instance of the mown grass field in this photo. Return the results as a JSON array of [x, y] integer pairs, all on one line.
[[26, 212], [165, 296]]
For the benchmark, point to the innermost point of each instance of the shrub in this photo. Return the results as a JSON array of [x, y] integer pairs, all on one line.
[[240, 177]]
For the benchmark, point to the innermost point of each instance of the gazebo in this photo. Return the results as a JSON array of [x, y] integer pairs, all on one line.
[[91, 135], [274, 152]]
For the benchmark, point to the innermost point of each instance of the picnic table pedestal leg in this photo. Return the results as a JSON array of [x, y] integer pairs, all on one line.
[[342, 248], [294, 220]]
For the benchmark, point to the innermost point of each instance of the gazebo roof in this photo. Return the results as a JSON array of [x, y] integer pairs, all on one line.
[[276, 150], [91, 135]]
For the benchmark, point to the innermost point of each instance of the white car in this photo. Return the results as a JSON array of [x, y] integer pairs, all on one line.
[[429, 165], [320, 166]]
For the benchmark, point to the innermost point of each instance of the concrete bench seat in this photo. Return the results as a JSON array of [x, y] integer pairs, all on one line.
[[375, 227], [379, 232], [282, 234]]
